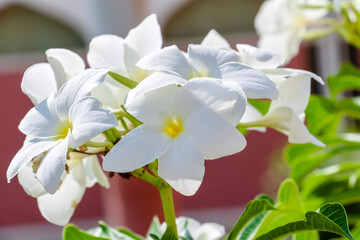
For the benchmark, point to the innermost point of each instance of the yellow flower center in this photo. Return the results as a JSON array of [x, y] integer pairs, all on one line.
[[63, 130], [173, 126], [199, 74]]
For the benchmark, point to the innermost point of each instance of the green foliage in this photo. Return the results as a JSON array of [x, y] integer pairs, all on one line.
[[71, 232], [330, 218], [265, 220], [305, 158], [103, 232], [155, 229], [254, 209], [348, 78], [349, 27], [261, 105]]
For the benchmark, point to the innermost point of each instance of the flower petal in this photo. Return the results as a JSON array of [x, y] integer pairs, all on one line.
[[212, 135], [42, 120], [300, 134], [210, 231], [94, 172], [30, 184], [169, 59], [77, 87], [31, 148], [146, 37], [285, 44], [254, 83], [89, 120], [154, 81], [107, 51], [182, 166], [39, 82], [252, 114], [110, 93], [59, 207], [207, 61], [295, 94], [224, 101], [258, 58], [139, 147], [215, 40], [149, 107], [278, 75], [52, 166], [65, 64]]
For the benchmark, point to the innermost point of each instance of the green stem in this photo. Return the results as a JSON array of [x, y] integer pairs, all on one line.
[[165, 194], [141, 173], [168, 206], [106, 144]]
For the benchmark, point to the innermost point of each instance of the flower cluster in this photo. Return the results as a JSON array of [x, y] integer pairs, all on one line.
[[164, 108], [283, 24]]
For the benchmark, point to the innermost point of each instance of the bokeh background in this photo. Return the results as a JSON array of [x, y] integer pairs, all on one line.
[[29, 27]]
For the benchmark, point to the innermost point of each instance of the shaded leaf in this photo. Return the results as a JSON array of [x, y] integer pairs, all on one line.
[[253, 209], [330, 218], [261, 105], [348, 78], [111, 233], [71, 232]]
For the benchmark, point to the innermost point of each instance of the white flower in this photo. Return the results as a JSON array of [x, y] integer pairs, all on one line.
[[287, 114], [281, 24], [84, 171], [200, 61], [64, 120], [120, 55], [179, 131], [43, 79], [191, 229]]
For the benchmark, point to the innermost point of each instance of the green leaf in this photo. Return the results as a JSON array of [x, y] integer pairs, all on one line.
[[289, 208], [71, 232], [330, 218], [155, 228], [261, 105], [123, 80], [306, 236], [348, 78], [169, 235], [111, 233], [323, 116], [153, 236], [130, 233], [253, 208], [305, 158], [320, 177]]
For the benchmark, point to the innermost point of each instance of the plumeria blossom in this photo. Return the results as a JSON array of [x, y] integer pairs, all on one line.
[[39, 82], [172, 65], [83, 172], [43, 79], [191, 229], [286, 114], [120, 56], [180, 131], [62, 121], [282, 24]]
